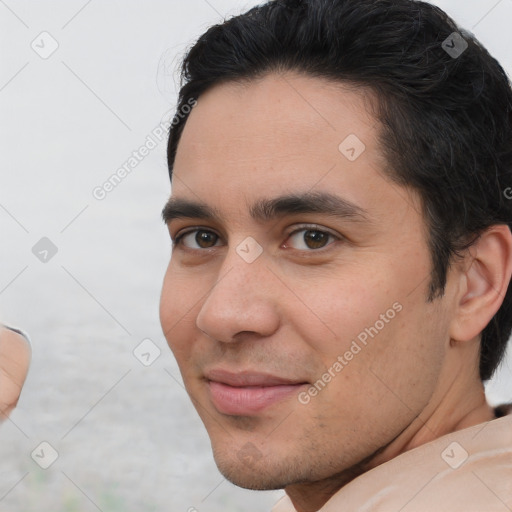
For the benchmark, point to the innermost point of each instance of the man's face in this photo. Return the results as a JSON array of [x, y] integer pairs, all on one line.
[[301, 330]]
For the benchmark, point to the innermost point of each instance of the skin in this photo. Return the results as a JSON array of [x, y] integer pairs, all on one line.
[[295, 309], [15, 357]]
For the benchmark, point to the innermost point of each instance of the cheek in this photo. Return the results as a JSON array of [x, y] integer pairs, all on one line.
[[168, 306], [415, 350], [398, 369], [177, 307], [334, 311], [376, 325]]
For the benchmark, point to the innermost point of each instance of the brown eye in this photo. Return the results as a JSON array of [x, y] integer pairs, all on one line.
[[316, 239], [310, 239], [206, 239], [198, 239]]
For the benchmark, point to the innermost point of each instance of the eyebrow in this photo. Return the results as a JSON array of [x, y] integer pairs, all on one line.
[[265, 210]]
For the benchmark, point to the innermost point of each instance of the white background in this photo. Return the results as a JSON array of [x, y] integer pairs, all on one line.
[[127, 436]]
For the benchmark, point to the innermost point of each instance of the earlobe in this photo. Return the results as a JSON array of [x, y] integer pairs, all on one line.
[[486, 277]]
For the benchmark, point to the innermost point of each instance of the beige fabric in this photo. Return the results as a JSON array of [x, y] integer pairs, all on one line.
[[466, 471]]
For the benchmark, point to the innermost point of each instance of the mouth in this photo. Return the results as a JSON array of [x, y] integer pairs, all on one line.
[[246, 393]]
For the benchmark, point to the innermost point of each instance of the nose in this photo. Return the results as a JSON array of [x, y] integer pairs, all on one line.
[[242, 302]]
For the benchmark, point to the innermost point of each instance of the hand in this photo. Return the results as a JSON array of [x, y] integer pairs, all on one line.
[[15, 355]]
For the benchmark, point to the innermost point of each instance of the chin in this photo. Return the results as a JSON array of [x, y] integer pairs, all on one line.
[[249, 469], [251, 479]]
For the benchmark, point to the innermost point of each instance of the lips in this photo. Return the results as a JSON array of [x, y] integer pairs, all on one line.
[[248, 393]]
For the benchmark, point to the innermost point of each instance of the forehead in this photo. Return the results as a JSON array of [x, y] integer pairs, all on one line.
[[281, 133]]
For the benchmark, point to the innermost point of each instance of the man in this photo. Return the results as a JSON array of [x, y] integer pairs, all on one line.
[[338, 290], [15, 357]]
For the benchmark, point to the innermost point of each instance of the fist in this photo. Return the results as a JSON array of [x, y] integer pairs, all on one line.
[[15, 357]]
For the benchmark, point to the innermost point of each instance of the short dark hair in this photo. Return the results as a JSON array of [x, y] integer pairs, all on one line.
[[446, 120]]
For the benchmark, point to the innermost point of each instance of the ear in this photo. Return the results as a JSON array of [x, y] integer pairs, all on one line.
[[484, 283]]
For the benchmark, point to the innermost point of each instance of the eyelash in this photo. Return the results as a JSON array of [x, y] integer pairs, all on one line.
[[177, 241]]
